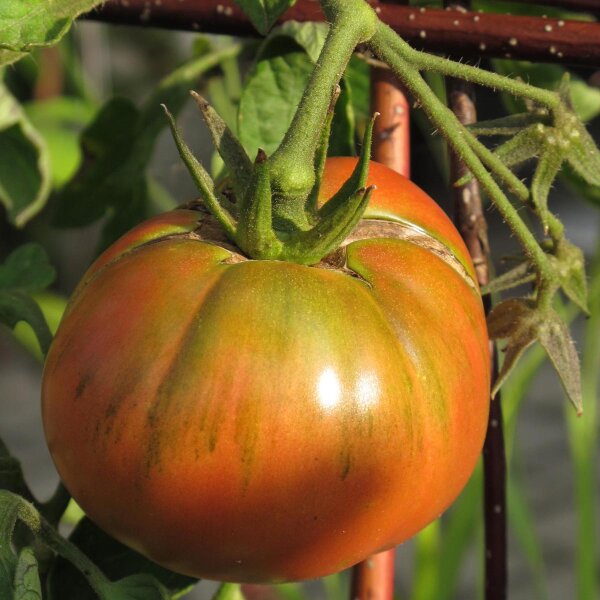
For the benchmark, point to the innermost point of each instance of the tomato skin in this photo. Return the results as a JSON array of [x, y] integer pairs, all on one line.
[[263, 421]]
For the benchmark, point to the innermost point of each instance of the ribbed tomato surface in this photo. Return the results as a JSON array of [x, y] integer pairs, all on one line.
[[264, 421]]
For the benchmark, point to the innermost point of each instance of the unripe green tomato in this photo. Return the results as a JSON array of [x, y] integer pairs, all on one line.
[[263, 421]]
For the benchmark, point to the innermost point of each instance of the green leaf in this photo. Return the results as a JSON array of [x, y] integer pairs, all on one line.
[[12, 509], [229, 591], [27, 577], [117, 562], [58, 120], [25, 179], [112, 171], [310, 36], [271, 94], [358, 78], [17, 306], [7, 57], [9, 507], [25, 270], [341, 141], [35, 23], [264, 13], [134, 587]]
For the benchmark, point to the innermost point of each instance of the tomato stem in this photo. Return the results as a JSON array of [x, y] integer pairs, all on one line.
[[385, 44], [292, 165]]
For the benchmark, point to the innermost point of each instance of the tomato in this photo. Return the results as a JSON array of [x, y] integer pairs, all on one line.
[[264, 421]]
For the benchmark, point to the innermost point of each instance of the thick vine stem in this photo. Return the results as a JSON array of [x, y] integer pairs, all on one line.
[[444, 66], [385, 44], [292, 165]]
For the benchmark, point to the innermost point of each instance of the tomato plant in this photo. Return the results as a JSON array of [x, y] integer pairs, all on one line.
[[292, 373], [266, 421]]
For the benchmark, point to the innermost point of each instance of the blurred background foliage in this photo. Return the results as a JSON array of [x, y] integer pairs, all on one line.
[[84, 156]]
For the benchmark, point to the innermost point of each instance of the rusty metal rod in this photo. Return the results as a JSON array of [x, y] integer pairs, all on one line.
[[456, 32]]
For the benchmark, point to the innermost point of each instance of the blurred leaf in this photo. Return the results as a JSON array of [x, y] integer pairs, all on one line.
[[59, 121], [134, 587], [459, 526], [310, 36], [521, 522], [427, 564], [357, 76], [25, 270], [8, 57], [271, 94], [117, 148], [24, 162], [116, 561], [27, 577], [35, 23], [11, 475], [264, 13], [229, 591], [341, 140]]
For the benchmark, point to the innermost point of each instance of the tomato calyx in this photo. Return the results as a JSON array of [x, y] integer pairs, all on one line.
[[264, 220], [209, 230]]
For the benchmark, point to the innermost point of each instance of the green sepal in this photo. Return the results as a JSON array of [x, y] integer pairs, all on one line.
[[525, 145], [498, 168], [202, 179], [569, 266], [327, 235], [547, 168], [584, 156], [338, 217], [519, 275], [511, 125], [255, 233], [521, 323], [357, 180], [227, 145]]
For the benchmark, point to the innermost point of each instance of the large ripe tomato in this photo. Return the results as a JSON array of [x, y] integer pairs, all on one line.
[[264, 421]]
